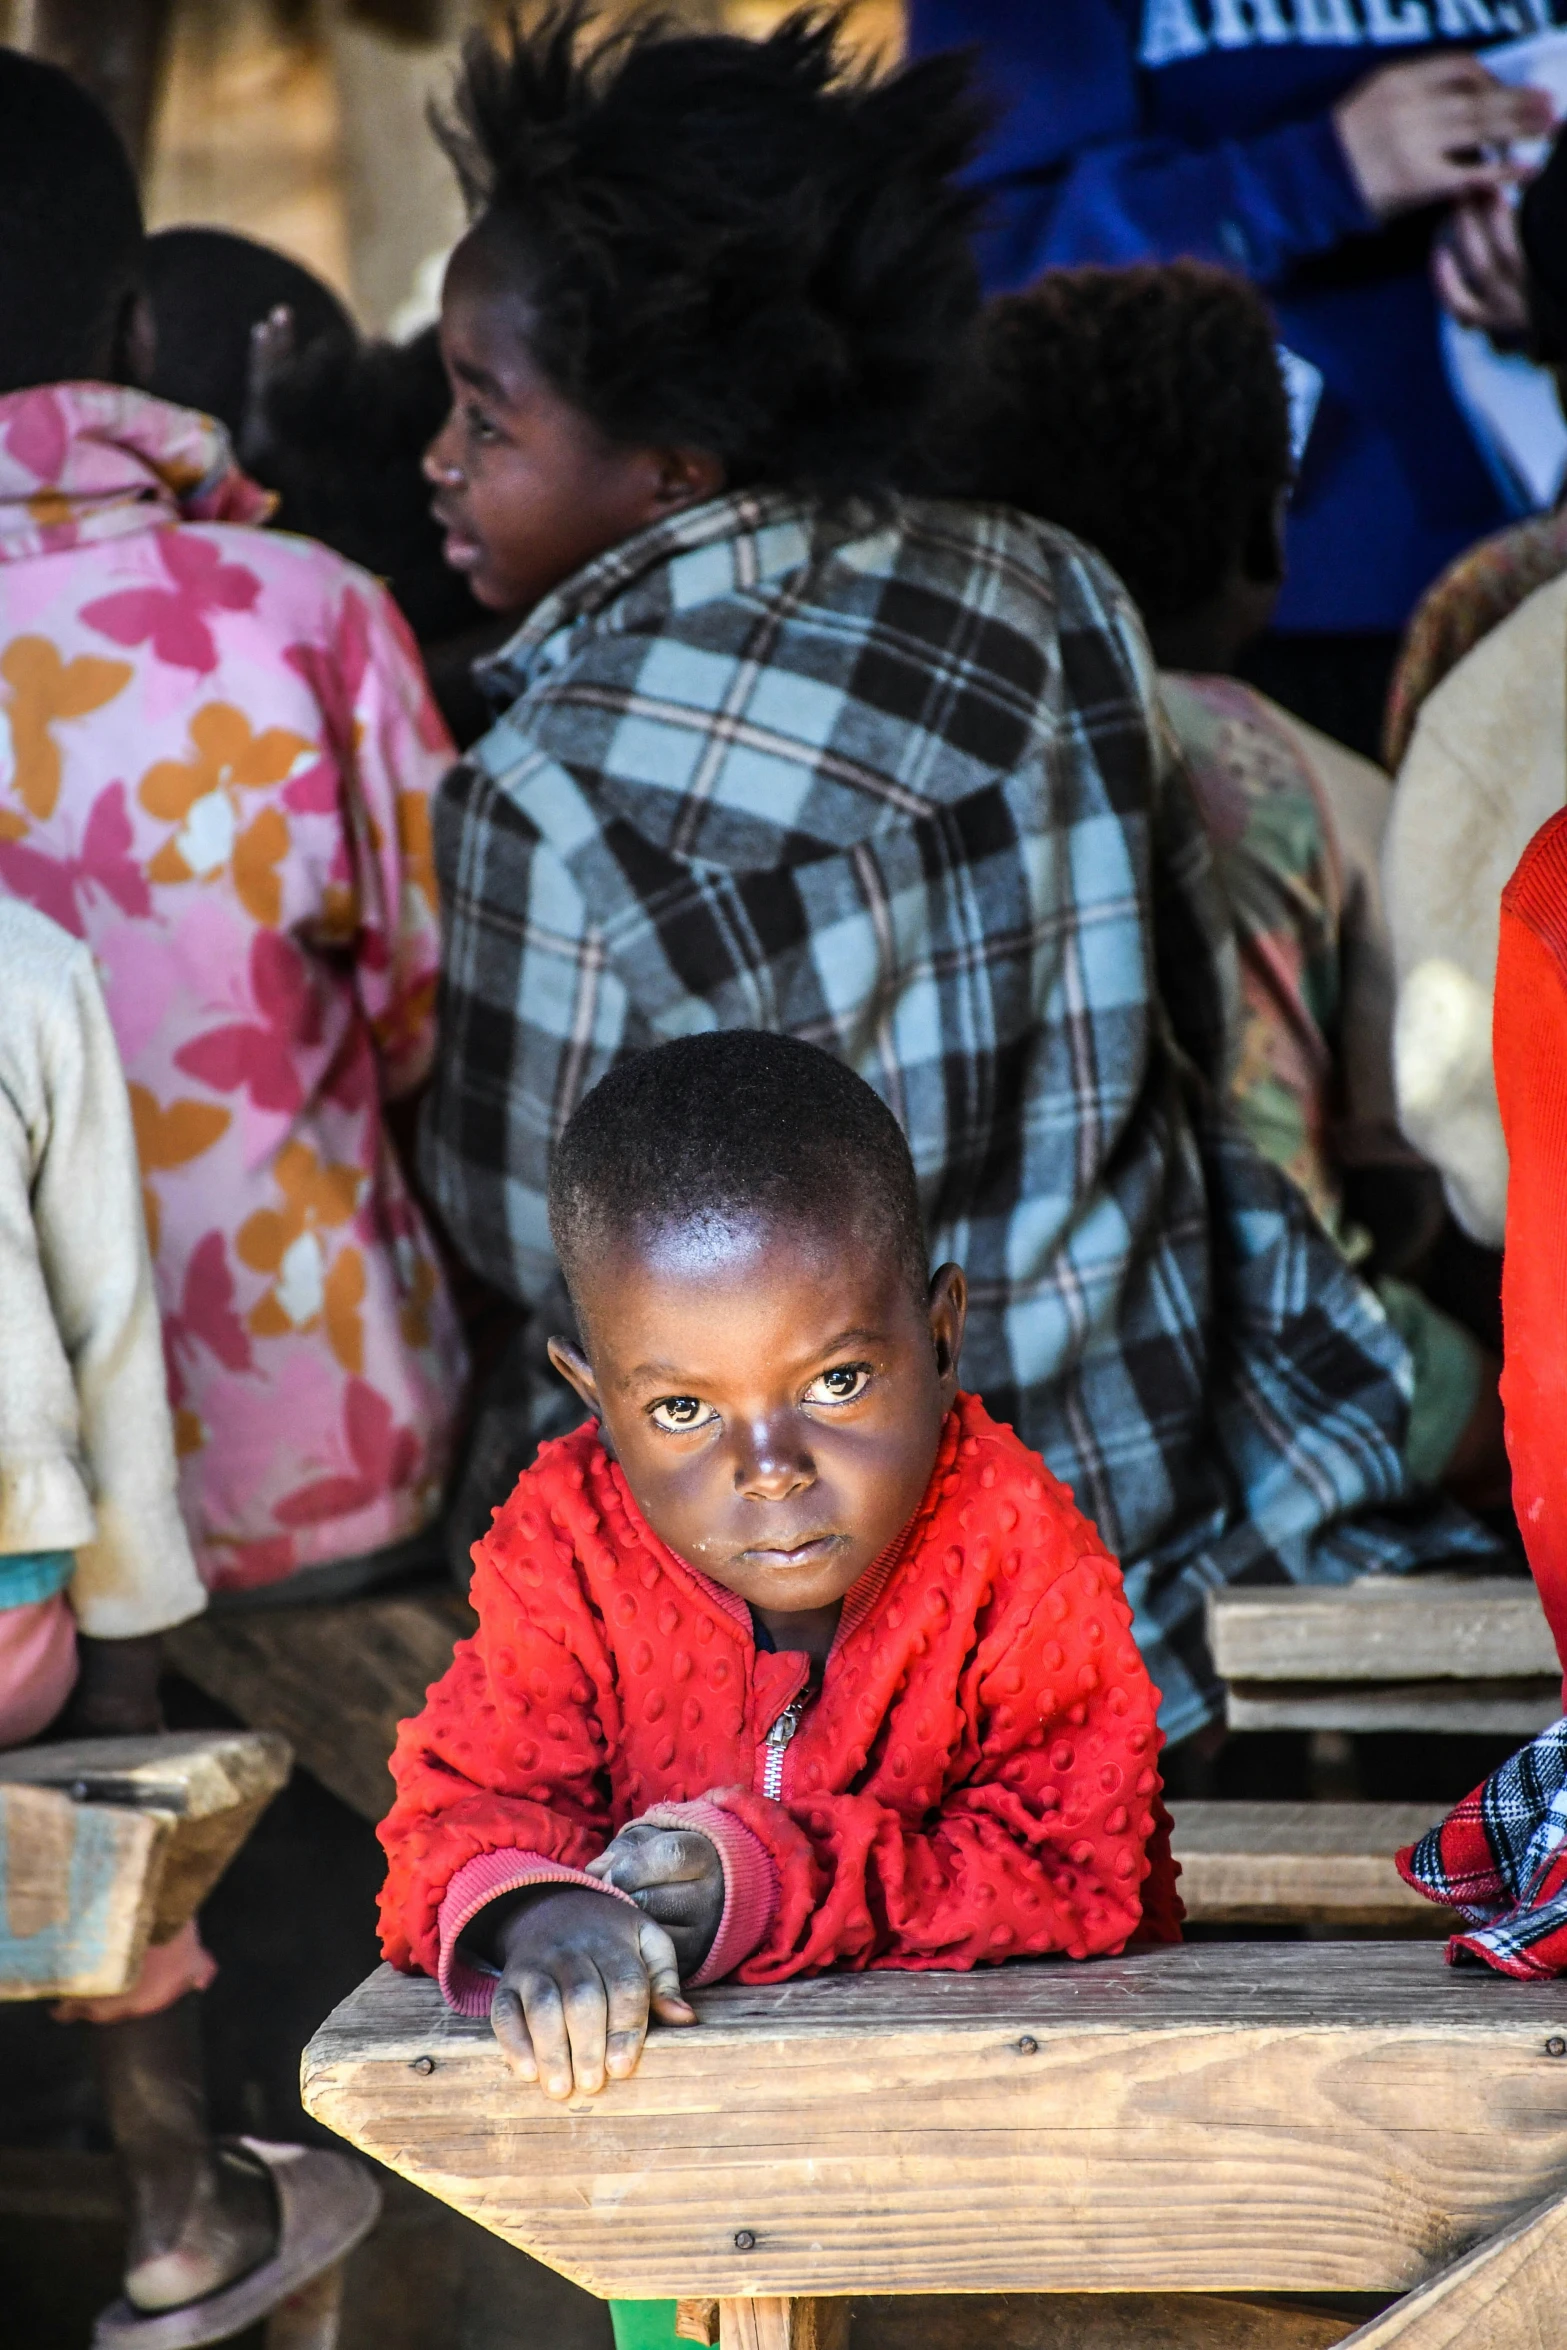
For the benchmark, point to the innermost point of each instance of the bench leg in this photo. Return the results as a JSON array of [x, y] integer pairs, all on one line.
[[1509, 2293], [309, 2319], [790, 2322]]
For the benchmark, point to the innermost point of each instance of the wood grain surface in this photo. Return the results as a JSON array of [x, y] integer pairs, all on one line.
[[1219, 2118], [1301, 1863], [1508, 2293], [78, 1894], [1385, 1628], [335, 1681], [1471, 1709], [212, 1786]]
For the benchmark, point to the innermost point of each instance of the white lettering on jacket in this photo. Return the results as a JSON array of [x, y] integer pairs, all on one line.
[[1174, 30]]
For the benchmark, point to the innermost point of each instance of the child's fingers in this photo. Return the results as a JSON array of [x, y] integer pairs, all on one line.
[[626, 1989], [511, 2030], [663, 1974], [603, 1991], [640, 1857], [544, 2018]]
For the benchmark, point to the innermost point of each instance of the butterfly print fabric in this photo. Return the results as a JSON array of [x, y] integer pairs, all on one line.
[[217, 751]]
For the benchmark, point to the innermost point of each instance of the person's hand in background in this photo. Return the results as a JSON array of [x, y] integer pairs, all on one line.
[[1477, 265], [1436, 131]]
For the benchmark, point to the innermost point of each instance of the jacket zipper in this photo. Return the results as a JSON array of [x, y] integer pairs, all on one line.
[[778, 1738]]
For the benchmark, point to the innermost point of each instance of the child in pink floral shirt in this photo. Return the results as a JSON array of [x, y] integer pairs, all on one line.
[[217, 750]]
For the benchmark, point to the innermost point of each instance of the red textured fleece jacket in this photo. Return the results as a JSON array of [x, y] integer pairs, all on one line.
[[976, 1780]]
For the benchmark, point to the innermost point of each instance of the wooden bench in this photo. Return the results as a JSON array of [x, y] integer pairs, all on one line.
[[108, 1844], [1457, 1653], [1308, 2119], [335, 1680]]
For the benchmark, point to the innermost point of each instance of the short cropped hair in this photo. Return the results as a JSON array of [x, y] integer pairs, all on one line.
[[739, 1123], [1143, 409], [70, 227], [736, 246]]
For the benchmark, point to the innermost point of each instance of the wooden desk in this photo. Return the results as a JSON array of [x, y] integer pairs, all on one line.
[[1302, 2118], [1457, 1653]]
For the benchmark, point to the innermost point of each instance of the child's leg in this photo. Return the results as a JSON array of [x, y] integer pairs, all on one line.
[[199, 2216]]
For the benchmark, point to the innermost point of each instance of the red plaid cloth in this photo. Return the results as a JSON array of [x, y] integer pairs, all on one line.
[[1500, 1859]]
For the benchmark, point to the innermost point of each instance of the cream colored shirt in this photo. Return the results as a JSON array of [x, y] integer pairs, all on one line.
[[1486, 767], [86, 1446]]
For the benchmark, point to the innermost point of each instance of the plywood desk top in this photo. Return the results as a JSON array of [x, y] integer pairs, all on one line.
[[1233, 2117]]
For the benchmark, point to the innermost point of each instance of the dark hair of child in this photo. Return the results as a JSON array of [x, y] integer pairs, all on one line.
[[340, 437], [70, 231], [736, 1123], [729, 245], [208, 288], [1143, 410]]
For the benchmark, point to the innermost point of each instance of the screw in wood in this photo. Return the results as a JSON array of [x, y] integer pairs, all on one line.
[[1556, 2046], [744, 2240], [424, 2065], [1028, 2045]]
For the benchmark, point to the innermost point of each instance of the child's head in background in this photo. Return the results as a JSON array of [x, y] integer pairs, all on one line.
[[71, 306], [696, 263], [1142, 409], [737, 1220]]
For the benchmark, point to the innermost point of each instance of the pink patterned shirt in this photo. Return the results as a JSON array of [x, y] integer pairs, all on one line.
[[217, 751]]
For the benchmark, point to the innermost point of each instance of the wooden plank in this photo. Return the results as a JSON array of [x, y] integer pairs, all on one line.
[[1508, 2293], [1219, 2118], [1500, 1709], [335, 1681], [1385, 1628], [78, 1893], [780, 2323], [212, 1784], [1301, 1863]]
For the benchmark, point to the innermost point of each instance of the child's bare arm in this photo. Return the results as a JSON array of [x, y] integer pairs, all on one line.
[[579, 1974], [675, 1877]]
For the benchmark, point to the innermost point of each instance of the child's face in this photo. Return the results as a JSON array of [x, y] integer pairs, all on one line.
[[528, 489], [773, 1394]]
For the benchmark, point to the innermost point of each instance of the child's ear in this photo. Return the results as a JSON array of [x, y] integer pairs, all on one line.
[[948, 1313], [577, 1371], [688, 477]]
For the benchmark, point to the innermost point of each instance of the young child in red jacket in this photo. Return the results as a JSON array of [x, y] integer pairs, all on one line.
[[790, 1657]]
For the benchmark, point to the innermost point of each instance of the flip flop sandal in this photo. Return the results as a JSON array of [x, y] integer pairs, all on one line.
[[326, 2203]]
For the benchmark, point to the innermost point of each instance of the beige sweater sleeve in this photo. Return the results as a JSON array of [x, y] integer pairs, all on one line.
[[1486, 767], [86, 1447]]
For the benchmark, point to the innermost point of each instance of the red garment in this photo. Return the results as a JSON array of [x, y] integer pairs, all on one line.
[[1530, 1049], [976, 1780]]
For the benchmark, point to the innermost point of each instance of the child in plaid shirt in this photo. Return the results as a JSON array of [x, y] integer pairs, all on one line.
[[785, 748]]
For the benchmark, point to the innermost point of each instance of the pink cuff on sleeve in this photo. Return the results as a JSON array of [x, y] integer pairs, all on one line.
[[477, 1883], [750, 1882]]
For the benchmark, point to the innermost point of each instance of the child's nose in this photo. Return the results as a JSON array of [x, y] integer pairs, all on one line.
[[771, 1468], [439, 463]]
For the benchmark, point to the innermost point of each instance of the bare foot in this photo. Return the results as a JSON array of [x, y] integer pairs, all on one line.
[[192, 2235]]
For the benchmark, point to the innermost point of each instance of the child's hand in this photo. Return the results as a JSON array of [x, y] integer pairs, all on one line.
[[579, 1972], [675, 1877]]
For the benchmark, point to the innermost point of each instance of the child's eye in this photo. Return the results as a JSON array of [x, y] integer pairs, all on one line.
[[479, 426], [677, 1415], [845, 1383]]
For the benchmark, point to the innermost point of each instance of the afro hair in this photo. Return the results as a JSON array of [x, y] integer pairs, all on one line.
[[1142, 409], [729, 245]]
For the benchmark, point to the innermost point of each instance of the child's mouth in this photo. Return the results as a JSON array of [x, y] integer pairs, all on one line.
[[800, 1554], [461, 550]]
